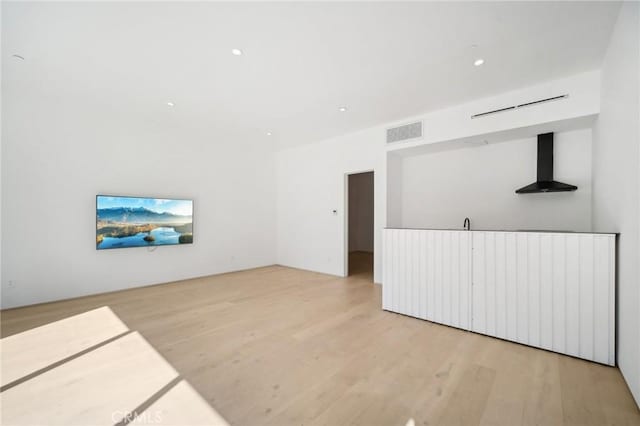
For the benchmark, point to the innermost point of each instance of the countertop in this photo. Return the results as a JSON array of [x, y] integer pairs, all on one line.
[[546, 231]]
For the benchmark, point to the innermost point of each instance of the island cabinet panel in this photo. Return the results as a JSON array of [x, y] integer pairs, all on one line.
[[554, 291], [428, 275], [557, 289]]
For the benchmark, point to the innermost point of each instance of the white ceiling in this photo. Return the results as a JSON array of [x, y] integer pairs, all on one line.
[[301, 61]]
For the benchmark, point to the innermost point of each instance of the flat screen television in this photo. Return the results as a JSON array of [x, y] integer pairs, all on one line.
[[123, 222]]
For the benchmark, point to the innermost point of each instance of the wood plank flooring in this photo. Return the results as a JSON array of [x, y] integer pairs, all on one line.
[[280, 346]]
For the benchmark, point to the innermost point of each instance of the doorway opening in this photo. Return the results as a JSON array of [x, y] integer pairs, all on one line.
[[360, 225]]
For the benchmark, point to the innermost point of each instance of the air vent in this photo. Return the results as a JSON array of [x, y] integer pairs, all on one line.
[[405, 132], [523, 105]]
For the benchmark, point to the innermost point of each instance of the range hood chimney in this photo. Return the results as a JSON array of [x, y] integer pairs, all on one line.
[[545, 182]]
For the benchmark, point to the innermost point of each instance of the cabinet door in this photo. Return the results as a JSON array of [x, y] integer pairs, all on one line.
[[427, 274], [552, 291], [403, 289], [448, 278]]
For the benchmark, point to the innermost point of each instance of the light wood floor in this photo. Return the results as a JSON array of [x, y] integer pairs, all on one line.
[[281, 346]]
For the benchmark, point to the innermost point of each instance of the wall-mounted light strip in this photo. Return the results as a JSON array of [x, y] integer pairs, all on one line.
[[493, 112], [526, 104], [555, 98]]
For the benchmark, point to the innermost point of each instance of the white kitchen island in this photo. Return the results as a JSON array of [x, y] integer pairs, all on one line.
[[551, 290]]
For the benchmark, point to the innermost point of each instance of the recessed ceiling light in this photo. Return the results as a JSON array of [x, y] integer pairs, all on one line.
[[478, 62], [269, 133], [236, 52], [171, 104], [342, 109], [18, 57]]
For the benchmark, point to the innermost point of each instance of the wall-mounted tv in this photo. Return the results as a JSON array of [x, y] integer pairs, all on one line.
[[142, 222]]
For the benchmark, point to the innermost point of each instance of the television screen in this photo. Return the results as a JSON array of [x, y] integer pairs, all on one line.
[[141, 222]]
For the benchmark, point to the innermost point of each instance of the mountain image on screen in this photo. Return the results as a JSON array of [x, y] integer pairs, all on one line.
[[139, 222], [138, 215]]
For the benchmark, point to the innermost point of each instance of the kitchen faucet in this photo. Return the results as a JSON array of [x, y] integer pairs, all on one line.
[[467, 224]]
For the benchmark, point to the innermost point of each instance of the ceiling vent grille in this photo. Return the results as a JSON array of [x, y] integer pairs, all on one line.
[[523, 105], [404, 132]]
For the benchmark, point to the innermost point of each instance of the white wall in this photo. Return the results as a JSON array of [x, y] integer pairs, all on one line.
[[616, 179], [361, 205], [311, 178], [60, 151], [455, 123], [311, 183], [394, 196], [438, 190]]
